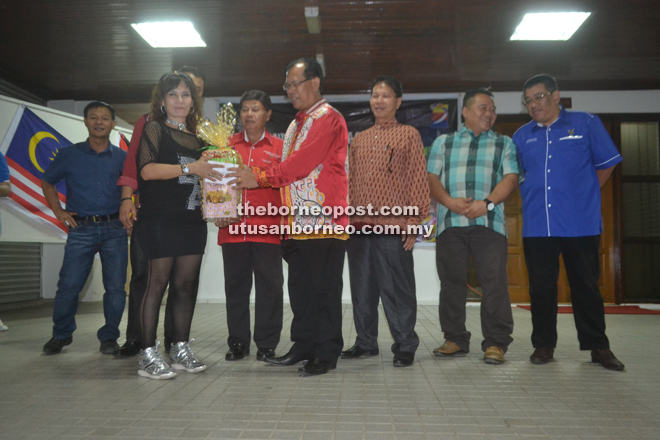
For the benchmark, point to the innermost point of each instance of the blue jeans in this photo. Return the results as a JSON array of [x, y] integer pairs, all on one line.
[[110, 240]]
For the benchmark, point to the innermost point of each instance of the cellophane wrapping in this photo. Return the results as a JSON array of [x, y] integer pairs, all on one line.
[[219, 200]]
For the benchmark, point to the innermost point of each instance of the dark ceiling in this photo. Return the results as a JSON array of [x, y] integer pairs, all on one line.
[[86, 49]]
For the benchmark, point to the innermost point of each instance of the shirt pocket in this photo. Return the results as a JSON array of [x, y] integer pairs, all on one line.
[[574, 153]]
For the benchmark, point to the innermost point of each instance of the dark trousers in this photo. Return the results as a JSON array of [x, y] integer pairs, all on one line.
[[264, 260], [315, 289], [137, 287], [380, 268], [489, 250], [583, 270]]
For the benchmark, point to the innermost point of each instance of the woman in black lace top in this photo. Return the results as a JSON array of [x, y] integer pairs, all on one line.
[[171, 229]]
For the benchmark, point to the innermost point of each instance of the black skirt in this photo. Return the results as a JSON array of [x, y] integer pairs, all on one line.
[[166, 237]]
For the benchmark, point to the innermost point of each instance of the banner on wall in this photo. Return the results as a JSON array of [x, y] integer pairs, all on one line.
[[29, 146], [432, 117]]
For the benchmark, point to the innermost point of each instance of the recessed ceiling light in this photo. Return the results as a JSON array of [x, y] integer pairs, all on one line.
[[549, 25], [169, 34]]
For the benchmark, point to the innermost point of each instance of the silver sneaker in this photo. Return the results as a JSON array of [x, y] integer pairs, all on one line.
[[184, 359], [152, 365]]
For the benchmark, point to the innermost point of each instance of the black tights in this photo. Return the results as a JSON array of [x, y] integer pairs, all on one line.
[[182, 273]]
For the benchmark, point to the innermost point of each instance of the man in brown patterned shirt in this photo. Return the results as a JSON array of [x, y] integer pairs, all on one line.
[[387, 169]]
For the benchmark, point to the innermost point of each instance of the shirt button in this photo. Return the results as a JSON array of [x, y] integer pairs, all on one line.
[[549, 205], [548, 170], [550, 142], [550, 156], [376, 137], [549, 129], [548, 187]]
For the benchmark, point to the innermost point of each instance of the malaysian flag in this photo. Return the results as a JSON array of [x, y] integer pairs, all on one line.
[[123, 141], [29, 147]]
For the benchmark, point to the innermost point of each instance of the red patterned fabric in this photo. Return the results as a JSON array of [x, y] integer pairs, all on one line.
[[263, 155], [313, 169], [260, 176], [388, 168]]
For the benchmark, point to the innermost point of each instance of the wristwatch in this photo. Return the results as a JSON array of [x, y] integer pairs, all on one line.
[[184, 169], [489, 205]]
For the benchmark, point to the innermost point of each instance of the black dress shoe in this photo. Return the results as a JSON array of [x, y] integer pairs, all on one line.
[[129, 349], [316, 367], [542, 356], [109, 346], [237, 351], [356, 352], [265, 353], [403, 359], [54, 346], [287, 360], [607, 359]]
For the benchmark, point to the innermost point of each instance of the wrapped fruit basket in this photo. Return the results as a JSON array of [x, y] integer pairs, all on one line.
[[219, 200]]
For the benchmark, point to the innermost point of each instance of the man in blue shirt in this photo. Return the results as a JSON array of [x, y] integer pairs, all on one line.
[[565, 158], [471, 172], [90, 170]]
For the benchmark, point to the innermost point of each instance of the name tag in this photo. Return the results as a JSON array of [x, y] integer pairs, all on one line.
[[570, 137], [531, 140]]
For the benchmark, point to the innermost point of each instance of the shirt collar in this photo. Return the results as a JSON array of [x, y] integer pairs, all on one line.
[[303, 114], [87, 148], [245, 136], [388, 124], [466, 131], [241, 137], [315, 106], [563, 116]]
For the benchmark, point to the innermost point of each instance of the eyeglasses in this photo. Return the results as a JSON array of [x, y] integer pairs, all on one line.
[[536, 98], [293, 84]]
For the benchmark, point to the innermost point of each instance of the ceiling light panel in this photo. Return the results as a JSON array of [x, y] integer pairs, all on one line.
[[549, 25], [169, 34]]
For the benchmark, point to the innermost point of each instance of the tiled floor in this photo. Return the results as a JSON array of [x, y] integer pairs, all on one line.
[[84, 394]]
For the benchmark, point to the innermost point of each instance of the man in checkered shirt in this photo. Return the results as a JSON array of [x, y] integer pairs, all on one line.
[[471, 173]]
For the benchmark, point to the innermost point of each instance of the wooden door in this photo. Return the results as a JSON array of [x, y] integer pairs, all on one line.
[[516, 268]]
